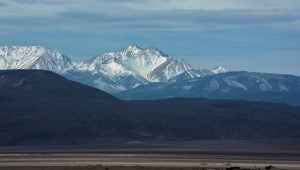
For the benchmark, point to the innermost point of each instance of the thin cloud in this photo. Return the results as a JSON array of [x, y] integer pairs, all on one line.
[[149, 20], [257, 28]]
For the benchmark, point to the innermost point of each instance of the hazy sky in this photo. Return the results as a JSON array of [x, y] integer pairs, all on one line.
[[253, 35]]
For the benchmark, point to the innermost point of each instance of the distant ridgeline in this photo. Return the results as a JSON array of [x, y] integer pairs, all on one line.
[[147, 73]]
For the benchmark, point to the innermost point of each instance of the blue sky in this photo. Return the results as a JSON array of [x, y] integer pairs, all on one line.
[[252, 35]]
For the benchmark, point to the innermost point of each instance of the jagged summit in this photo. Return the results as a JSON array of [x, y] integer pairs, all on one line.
[[112, 72], [136, 51], [219, 69], [132, 50], [33, 57]]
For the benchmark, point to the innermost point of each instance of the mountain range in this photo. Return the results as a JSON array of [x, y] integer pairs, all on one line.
[[39, 107], [231, 86], [111, 72], [147, 73]]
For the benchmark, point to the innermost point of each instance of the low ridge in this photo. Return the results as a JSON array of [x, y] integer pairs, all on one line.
[[41, 108]]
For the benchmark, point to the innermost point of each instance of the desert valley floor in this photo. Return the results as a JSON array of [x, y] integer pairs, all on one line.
[[146, 158]]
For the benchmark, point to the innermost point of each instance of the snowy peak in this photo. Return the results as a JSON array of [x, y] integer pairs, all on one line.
[[113, 72], [149, 63], [135, 51], [131, 50], [218, 70], [33, 57]]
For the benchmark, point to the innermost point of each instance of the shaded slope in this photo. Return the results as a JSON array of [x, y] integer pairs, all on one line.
[[40, 107], [44, 106], [196, 119]]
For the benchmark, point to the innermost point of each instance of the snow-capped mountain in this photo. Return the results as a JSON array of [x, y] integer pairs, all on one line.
[[34, 57], [111, 72], [149, 64], [230, 85], [147, 73]]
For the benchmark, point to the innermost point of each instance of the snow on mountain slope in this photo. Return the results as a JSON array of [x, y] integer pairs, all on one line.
[[219, 69], [231, 85], [142, 61], [190, 74], [112, 72], [147, 73], [169, 69], [33, 57], [133, 66], [149, 63]]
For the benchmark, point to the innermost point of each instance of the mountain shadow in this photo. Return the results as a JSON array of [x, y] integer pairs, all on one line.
[[42, 108]]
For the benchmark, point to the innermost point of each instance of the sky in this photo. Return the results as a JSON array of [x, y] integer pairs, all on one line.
[[248, 35]]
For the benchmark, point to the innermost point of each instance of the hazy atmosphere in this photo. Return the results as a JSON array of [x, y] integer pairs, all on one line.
[[149, 84], [256, 35]]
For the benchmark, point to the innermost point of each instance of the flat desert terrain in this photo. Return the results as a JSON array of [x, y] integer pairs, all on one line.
[[115, 161], [218, 156]]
